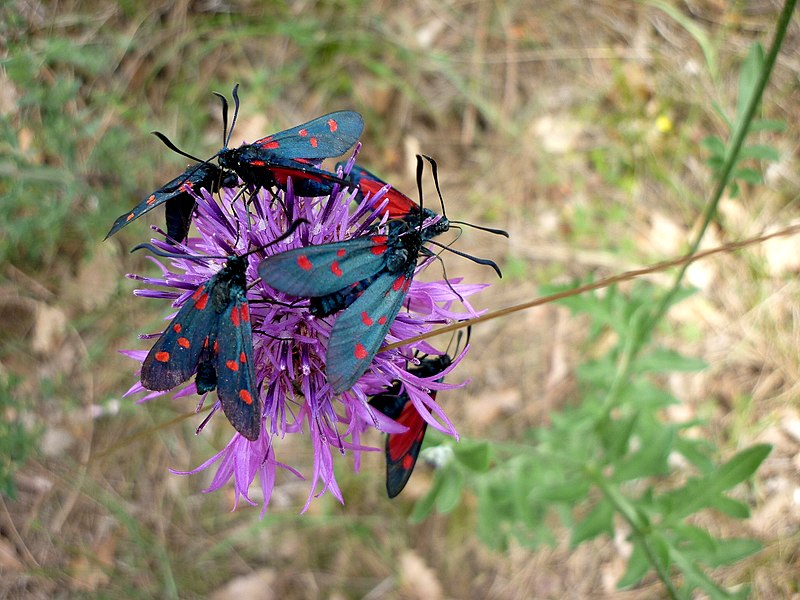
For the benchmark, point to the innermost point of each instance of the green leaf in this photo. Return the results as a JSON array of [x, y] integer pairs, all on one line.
[[615, 434], [748, 77], [742, 466], [663, 360], [731, 507], [732, 550], [599, 520], [476, 456], [650, 459], [696, 578], [699, 493], [759, 152], [570, 491], [424, 505], [450, 490], [638, 567], [714, 145], [748, 175], [699, 34], [767, 125]]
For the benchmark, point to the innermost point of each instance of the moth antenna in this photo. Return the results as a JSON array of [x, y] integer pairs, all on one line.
[[235, 95], [168, 143], [420, 166], [502, 232], [481, 261], [224, 101], [446, 278], [435, 170]]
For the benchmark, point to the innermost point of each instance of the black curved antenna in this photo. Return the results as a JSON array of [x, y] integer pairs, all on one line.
[[224, 102], [168, 143], [435, 170], [481, 261], [235, 94]]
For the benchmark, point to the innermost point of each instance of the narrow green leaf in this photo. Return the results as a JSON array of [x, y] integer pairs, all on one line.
[[760, 152], [768, 125], [450, 491], [650, 459], [474, 455], [663, 360], [732, 550], [570, 491], [748, 175], [638, 567], [741, 466], [714, 145], [424, 505], [599, 520], [748, 77]]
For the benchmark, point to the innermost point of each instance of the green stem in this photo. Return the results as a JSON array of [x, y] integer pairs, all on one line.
[[739, 135], [732, 155], [628, 512]]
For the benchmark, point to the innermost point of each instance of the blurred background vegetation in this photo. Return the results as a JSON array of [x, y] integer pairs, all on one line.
[[576, 126]]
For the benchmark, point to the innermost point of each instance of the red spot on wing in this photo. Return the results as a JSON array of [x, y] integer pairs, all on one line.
[[380, 239], [269, 144], [409, 462], [216, 346], [360, 352], [365, 318], [382, 321], [341, 252], [257, 163], [243, 358], [245, 396], [183, 342], [235, 316], [186, 187], [201, 302], [232, 365], [304, 263], [378, 250], [399, 283], [177, 328], [162, 357], [336, 269], [314, 142], [303, 132], [129, 217], [244, 311], [151, 199], [333, 125]]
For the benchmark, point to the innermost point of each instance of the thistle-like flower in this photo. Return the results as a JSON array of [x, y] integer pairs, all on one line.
[[289, 343]]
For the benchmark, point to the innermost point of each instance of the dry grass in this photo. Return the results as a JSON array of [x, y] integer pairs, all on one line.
[[542, 117]]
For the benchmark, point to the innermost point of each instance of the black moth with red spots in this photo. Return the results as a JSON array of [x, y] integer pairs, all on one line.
[[177, 194], [366, 277], [212, 336], [402, 449], [295, 153]]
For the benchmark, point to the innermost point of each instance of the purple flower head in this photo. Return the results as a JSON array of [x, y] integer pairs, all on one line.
[[289, 343]]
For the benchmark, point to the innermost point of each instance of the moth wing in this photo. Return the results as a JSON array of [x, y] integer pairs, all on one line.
[[235, 370], [326, 136], [360, 329], [402, 449], [173, 358], [321, 270]]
